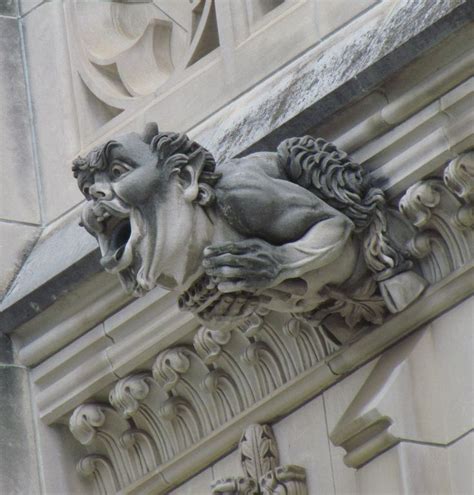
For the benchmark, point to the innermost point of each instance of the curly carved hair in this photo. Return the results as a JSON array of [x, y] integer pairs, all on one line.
[[174, 151], [333, 176]]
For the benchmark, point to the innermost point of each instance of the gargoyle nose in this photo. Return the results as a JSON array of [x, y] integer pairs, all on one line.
[[100, 191]]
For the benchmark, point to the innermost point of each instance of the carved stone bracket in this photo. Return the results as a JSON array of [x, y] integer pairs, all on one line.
[[260, 458], [442, 212]]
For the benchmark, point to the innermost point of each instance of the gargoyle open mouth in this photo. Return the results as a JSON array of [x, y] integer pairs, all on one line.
[[114, 240], [111, 225]]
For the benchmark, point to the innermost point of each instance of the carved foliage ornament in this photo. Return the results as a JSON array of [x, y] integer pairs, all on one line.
[[320, 247], [154, 415], [442, 211], [260, 458]]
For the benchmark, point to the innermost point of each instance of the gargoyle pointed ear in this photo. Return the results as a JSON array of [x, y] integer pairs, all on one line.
[[151, 130]]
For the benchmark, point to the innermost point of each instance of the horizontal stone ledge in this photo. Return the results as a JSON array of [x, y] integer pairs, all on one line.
[[365, 81]]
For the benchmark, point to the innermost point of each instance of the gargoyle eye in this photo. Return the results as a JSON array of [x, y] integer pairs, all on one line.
[[86, 190], [119, 169]]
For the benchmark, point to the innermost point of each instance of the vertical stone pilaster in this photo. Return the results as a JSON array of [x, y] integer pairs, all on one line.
[[18, 460]]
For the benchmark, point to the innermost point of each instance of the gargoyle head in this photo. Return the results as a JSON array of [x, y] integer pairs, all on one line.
[[143, 193]]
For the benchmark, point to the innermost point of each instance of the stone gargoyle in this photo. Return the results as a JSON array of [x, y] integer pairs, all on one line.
[[299, 231]]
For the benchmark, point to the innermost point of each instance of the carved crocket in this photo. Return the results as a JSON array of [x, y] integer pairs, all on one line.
[[300, 230]]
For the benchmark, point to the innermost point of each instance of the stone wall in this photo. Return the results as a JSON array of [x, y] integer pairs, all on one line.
[[388, 81]]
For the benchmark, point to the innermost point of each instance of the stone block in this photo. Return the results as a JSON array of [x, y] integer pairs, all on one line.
[[199, 484], [6, 349], [18, 464], [26, 6], [334, 14], [18, 200], [53, 106], [338, 397], [406, 20], [461, 460], [453, 340], [9, 8], [60, 453], [228, 466], [67, 240], [420, 390], [417, 468], [16, 240], [303, 440], [382, 476]]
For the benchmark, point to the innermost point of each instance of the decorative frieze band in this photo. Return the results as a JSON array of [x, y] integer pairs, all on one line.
[[154, 415]]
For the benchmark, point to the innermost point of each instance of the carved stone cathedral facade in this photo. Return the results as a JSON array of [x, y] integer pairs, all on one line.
[[237, 244]]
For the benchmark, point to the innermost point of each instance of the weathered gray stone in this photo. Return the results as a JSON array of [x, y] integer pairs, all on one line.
[[53, 106], [18, 464], [68, 242], [18, 200], [332, 15], [16, 241], [27, 5], [307, 91], [9, 8], [6, 349]]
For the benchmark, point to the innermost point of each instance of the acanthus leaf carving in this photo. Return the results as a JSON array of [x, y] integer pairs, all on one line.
[[284, 480], [459, 177], [258, 451], [209, 343], [169, 366], [238, 485], [128, 392], [259, 459], [85, 421], [443, 214], [101, 470]]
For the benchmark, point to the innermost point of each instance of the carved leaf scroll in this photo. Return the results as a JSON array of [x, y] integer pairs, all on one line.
[[442, 211], [258, 451], [259, 459]]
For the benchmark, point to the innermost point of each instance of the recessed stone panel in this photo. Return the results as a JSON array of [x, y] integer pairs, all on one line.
[[8, 8], [19, 472], [18, 195], [302, 440], [53, 106]]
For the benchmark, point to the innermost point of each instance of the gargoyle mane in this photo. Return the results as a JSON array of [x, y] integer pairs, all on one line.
[[336, 178]]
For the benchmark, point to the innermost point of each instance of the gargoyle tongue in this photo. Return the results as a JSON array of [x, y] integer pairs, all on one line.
[[116, 245], [111, 259]]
